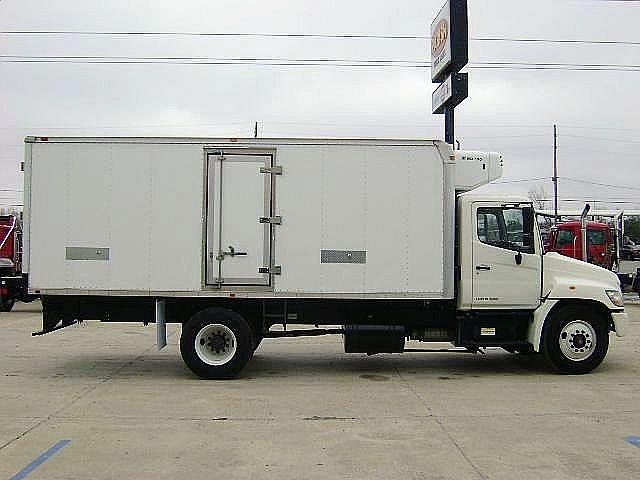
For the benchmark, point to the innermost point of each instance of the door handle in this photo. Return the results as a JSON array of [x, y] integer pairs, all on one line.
[[483, 267], [519, 258], [231, 253]]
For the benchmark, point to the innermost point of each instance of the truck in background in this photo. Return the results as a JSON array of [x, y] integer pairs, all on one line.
[[609, 244], [13, 285], [566, 239], [231, 237]]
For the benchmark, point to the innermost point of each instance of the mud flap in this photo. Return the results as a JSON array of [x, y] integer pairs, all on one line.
[[55, 316]]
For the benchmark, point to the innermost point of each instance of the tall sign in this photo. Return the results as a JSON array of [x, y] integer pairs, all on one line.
[[449, 54]]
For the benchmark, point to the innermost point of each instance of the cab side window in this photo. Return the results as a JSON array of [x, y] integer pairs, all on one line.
[[595, 237], [488, 228], [508, 228]]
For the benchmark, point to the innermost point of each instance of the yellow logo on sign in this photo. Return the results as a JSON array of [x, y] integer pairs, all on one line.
[[439, 38]]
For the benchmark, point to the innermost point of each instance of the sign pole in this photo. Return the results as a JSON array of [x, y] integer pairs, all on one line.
[[449, 134], [449, 54]]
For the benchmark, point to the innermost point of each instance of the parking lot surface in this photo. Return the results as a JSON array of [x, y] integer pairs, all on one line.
[[302, 409]]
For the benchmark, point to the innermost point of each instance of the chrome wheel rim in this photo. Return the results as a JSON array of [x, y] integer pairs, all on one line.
[[577, 340], [215, 344]]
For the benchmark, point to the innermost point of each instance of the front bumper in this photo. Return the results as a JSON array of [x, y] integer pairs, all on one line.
[[620, 323]]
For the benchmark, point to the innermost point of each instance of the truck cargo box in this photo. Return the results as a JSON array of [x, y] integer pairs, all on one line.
[[259, 217]]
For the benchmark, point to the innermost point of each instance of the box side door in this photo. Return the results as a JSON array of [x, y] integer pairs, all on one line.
[[238, 197]]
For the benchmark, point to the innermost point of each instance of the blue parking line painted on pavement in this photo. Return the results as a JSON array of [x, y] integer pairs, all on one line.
[[43, 457], [633, 440]]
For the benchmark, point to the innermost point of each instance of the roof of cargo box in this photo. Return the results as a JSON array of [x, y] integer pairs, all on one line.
[[237, 140]]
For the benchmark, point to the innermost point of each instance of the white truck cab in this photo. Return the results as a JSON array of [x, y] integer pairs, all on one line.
[[503, 266]]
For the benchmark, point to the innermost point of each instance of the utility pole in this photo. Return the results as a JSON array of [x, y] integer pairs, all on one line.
[[255, 130], [555, 172]]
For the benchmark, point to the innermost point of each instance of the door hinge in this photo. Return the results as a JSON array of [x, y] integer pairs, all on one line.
[[275, 270], [272, 220], [277, 170]]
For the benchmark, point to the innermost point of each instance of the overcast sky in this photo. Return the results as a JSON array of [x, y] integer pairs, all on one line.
[[511, 111]]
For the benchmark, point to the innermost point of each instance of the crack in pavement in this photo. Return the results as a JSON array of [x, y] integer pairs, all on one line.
[[83, 393], [196, 418]]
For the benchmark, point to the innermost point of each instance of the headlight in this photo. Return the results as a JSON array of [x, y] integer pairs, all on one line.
[[616, 297]]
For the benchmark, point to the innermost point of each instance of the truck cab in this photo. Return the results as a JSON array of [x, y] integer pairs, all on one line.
[[569, 305], [566, 239]]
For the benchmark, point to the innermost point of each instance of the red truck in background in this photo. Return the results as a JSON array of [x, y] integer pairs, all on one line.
[[13, 285], [566, 239]]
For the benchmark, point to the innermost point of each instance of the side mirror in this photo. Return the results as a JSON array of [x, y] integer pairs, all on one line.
[[519, 257]]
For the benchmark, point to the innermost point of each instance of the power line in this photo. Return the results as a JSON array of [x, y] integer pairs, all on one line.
[[216, 34], [420, 63], [334, 62], [341, 124], [600, 184], [522, 180], [578, 127], [592, 199], [556, 41], [571, 179], [506, 136], [306, 35], [612, 140], [292, 63]]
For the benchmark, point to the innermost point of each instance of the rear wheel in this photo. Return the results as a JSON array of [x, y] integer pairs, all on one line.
[[6, 303], [216, 343], [576, 340]]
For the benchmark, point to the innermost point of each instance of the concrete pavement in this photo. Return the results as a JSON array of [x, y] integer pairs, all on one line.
[[304, 409]]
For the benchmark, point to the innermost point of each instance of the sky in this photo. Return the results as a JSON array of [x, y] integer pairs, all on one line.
[[511, 111]]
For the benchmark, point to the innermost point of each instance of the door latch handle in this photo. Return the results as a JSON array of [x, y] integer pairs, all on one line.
[[483, 267], [231, 253]]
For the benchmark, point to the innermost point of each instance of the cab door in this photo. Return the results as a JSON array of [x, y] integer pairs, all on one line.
[[598, 246], [507, 263], [568, 242]]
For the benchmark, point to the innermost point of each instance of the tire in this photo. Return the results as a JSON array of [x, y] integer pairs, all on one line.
[[6, 303], [216, 343], [576, 339], [257, 340]]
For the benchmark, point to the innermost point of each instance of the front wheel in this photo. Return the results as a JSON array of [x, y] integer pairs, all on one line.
[[216, 343], [576, 340]]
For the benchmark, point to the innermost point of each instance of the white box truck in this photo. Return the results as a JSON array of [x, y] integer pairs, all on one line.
[[231, 237]]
